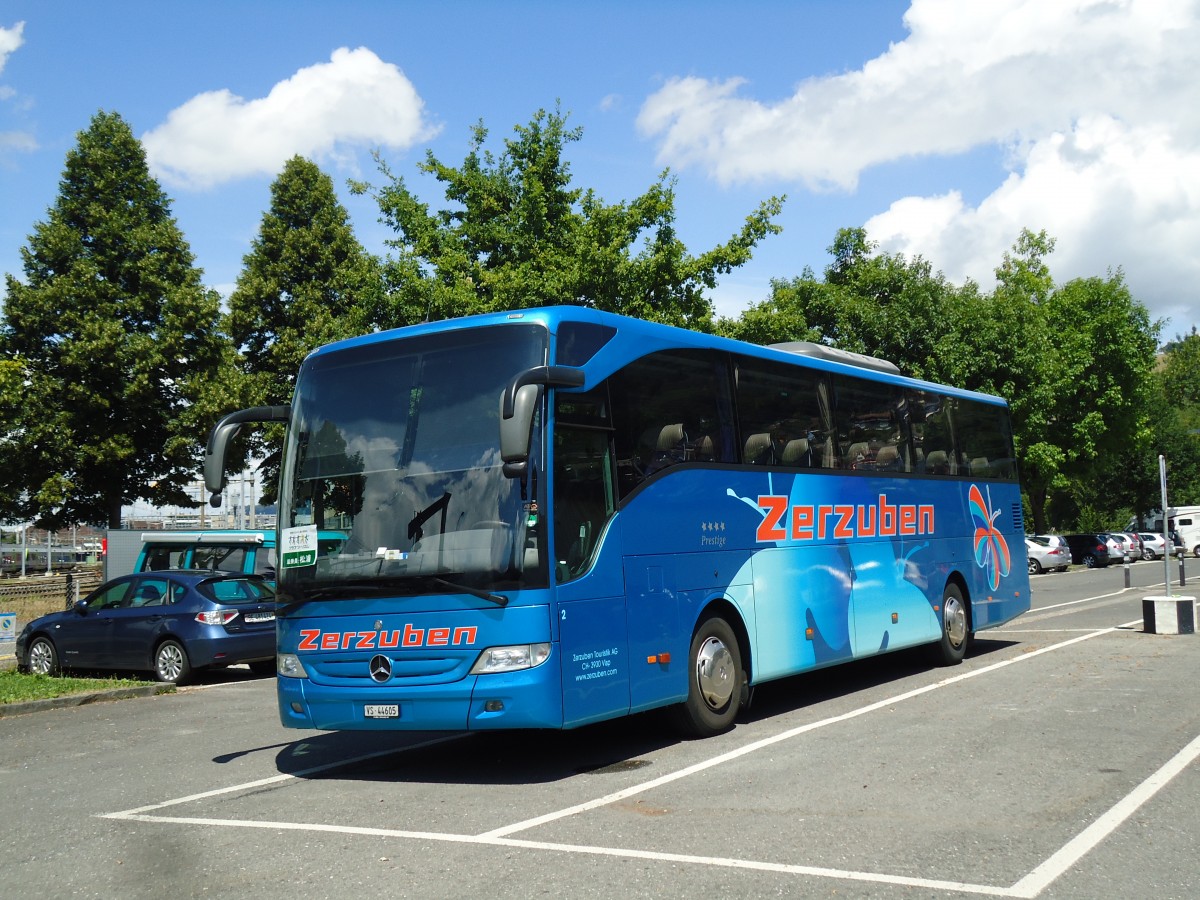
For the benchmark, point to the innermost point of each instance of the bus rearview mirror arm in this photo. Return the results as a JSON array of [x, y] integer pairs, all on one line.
[[221, 435], [518, 403]]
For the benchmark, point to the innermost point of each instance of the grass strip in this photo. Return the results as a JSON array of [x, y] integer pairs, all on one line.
[[17, 687]]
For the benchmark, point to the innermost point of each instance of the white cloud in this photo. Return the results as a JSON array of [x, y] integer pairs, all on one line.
[[1094, 102], [1110, 194], [10, 40], [325, 112], [17, 140], [12, 141]]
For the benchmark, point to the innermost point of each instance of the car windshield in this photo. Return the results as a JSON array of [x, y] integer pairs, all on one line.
[[395, 445]]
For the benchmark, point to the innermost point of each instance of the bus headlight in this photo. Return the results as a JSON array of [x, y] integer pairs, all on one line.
[[289, 666], [510, 658]]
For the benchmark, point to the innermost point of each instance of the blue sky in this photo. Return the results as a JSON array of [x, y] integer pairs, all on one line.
[[943, 127]]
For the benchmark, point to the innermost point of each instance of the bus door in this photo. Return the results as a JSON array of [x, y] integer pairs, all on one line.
[[657, 647], [587, 569], [592, 638]]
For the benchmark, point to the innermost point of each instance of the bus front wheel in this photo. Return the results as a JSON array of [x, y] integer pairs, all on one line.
[[956, 633], [715, 681]]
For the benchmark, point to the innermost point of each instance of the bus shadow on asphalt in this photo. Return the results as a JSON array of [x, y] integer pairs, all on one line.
[[483, 758], [787, 695], [539, 757]]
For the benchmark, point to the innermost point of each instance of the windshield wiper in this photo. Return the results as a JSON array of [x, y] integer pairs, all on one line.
[[404, 585], [498, 599]]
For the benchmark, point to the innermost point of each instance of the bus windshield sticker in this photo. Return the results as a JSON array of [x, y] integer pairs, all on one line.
[[299, 547]]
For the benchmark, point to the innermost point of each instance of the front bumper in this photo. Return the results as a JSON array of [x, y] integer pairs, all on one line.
[[528, 698]]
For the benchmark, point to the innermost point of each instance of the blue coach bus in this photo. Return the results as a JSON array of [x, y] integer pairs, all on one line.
[[559, 516]]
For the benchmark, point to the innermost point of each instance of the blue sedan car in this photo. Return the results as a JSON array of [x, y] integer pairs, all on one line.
[[168, 622]]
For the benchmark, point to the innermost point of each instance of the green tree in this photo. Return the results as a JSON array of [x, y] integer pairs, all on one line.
[[114, 334], [1181, 377], [305, 282], [868, 302], [1174, 423], [516, 234], [12, 389], [1103, 344], [1007, 347], [1072, 361]]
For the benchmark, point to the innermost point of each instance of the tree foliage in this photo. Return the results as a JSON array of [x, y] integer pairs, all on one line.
[[306, 281], [113, 334], [1073, 360], [516, 234]]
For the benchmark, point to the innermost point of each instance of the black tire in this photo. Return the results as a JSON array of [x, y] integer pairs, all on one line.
[[171, 664], [263, 667], [956, 628], [1090, 561], [715, 681], [1035, 567], [43, 658]]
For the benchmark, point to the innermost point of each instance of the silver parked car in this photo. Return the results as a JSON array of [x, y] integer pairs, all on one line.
[[1133, 544], [1043, 557], [1153, 545], [1057, 554], [1117, 551]]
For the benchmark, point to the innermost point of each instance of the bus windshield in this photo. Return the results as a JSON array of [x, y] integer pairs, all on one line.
[[395, 445]]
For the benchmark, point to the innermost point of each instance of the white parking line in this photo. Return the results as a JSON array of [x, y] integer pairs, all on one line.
[[1029, 886], [1074, 850]]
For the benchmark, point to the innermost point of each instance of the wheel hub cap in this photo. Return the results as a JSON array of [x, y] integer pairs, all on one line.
[[956, 621], [715, 673]]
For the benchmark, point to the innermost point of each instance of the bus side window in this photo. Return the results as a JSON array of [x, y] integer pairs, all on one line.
[[783, 415], [983, 440], [670, 408], [583, 496], [872, 425], [933, 445]]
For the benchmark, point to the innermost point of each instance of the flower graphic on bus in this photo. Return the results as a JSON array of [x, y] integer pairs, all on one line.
[[991, 550]]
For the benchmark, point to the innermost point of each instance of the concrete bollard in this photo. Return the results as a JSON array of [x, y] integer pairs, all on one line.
[[1127, 575], [1169, 615]]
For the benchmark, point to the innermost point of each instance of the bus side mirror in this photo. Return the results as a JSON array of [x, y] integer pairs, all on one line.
[[515, 430], [221, 435], [518, 403]]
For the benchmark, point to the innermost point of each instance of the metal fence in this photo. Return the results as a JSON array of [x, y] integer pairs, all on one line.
[[37, 595]]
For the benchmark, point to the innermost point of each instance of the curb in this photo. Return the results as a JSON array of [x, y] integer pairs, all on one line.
[[69, 700]]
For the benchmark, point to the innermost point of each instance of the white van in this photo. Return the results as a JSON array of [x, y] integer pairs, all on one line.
[[1185, 522], [1185, 519]]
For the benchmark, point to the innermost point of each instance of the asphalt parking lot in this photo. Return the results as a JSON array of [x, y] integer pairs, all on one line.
[[1058, 761]]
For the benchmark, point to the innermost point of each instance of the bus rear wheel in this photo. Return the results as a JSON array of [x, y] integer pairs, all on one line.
[[715, 681], [956, 633]]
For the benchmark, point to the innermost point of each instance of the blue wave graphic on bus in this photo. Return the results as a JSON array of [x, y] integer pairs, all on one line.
[[848, 597]]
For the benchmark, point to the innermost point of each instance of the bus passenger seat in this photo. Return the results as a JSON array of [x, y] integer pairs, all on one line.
[[888, 457], [797, 453], [672, 444], [858, 455], [979, 466], [758, 450], [704, 449], [937, 463]]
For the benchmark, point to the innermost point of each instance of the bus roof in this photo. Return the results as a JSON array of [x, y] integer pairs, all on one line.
[[653, 336]]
